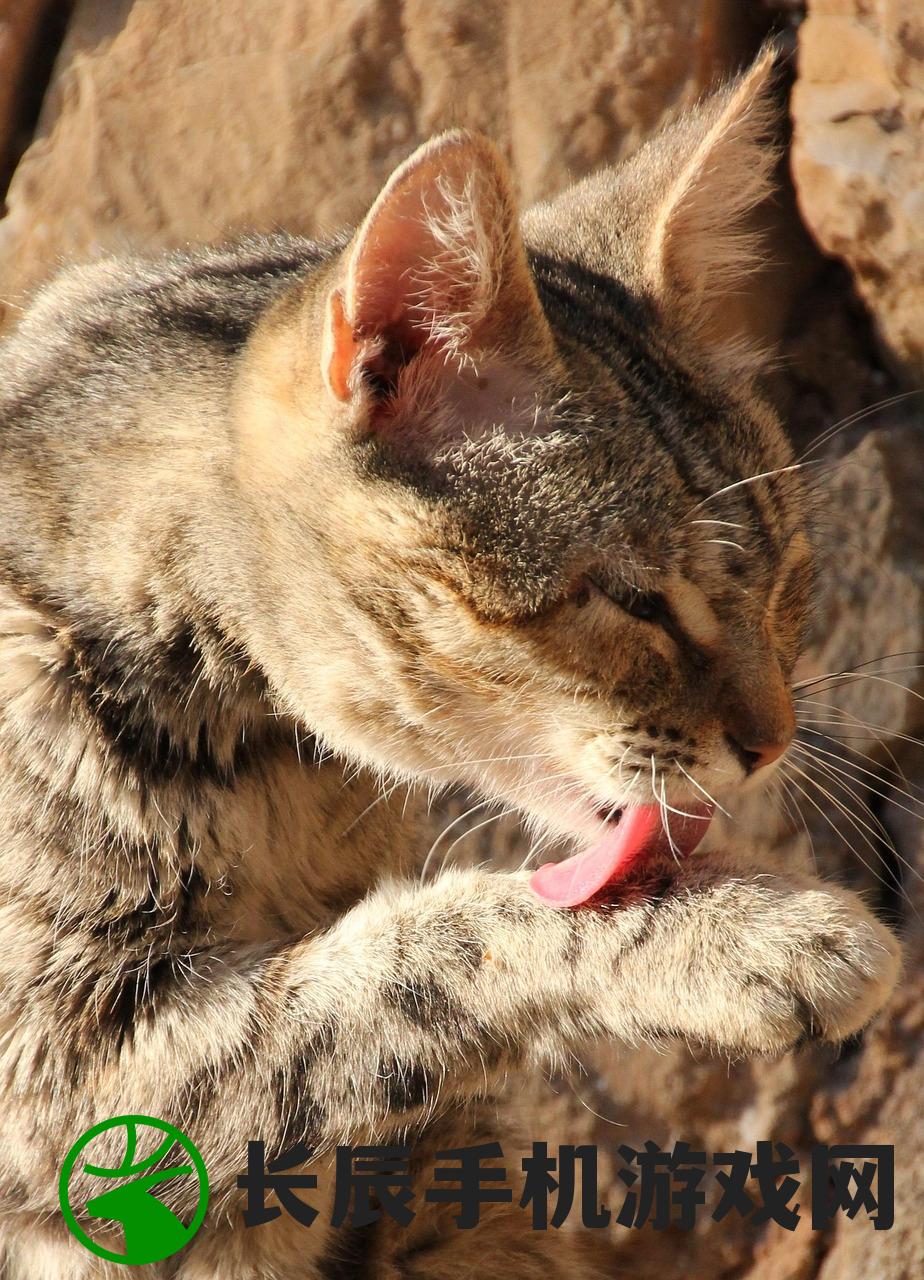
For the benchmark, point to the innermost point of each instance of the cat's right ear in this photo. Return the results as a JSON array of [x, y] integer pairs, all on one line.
[[437, 264]]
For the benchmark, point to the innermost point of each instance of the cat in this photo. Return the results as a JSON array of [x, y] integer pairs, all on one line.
[[289, 529]]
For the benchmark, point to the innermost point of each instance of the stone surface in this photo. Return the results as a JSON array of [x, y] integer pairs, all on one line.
[[169, 121], [19, 26], [858, 154], [172, 121]]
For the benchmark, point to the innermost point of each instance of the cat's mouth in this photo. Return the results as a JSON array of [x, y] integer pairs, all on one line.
[[631, 836]]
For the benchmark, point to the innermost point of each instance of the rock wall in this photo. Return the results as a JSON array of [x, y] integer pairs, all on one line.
[[858, 157], [167, 120], [20, 38]]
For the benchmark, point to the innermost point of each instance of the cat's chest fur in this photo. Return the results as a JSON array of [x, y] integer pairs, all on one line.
[[297, 845], [276, 844]]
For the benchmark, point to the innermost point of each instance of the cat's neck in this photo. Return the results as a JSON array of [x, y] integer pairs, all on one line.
[[141, 767], [128, 717]]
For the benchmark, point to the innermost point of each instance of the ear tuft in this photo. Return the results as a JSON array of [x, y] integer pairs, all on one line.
[[458, 282]]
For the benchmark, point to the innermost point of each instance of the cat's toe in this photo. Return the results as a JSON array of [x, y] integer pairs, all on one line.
[[824, 976], [844, 976]]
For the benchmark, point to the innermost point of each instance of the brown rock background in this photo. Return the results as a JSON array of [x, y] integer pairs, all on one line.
[[858, 107], [140, 123]]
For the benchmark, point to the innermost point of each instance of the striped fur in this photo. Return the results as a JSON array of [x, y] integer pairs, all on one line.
[[264, 553]]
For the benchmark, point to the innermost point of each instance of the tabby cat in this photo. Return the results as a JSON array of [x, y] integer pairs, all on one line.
[[289, 529]]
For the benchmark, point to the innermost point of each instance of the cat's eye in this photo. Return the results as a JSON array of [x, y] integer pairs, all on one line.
[[648, 606]]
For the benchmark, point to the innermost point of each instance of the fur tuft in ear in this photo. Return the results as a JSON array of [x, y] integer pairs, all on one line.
[[437, 264], [699, 244]]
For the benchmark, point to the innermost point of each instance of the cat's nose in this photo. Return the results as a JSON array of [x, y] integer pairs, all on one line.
[[758, 713], [759, 756]]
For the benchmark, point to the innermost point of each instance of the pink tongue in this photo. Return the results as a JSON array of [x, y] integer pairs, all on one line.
[[639, 834]]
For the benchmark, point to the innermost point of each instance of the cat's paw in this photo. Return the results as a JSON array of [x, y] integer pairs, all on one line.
[[847, 971], [818, 966], [759, 965]]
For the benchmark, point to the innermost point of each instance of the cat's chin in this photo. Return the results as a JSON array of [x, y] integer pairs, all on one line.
[[638, 833]]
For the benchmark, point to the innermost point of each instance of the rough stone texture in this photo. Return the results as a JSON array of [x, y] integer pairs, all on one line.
[[171, 121], [167, 121], [877, 513], [19, 24], [858, 156]]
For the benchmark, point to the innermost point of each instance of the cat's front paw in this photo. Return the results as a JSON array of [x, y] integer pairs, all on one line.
[[757, 965], [847, 971], [817, 966]]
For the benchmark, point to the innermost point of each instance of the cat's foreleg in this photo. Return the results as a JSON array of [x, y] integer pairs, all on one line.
[[421, 996]]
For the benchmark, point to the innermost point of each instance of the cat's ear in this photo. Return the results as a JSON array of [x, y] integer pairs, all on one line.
[[717, 171], [671, 222], [438, 263]]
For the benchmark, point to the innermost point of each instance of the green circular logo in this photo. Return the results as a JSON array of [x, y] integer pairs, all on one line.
[[127, 1196]]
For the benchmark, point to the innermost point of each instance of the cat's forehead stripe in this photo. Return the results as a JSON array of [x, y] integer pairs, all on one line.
[[677, 412]]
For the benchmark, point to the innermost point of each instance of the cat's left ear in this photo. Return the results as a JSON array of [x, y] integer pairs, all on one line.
[[719, 162], [670, 224], [438, 263]]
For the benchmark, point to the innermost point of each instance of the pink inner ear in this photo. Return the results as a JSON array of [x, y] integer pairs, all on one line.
[[425, 258], [436, 268], [384, 287]]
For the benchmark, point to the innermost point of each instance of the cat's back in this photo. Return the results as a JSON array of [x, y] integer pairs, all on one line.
[[99, 333], [116, 380]]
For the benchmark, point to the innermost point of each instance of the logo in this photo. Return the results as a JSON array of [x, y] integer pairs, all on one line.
[[127, 1195]]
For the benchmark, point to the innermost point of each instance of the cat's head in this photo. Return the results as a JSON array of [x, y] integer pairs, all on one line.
[[510, 531]]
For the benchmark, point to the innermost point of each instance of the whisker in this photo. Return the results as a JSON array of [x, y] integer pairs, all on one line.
[[882, 833], [445, 832], [846, 741], [827, 818], [702, 790], [385, 795], [659, 800], [854, 676], [866, 724], [812, 749], [796, 816], [724, 542], [835, 769], [858, 416], [763, 475], [619, 1124], [847, 671], [681, 813], [486, 822], [618, 765], [465, 764], [729, 524], [562, 789], [856, 822]]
